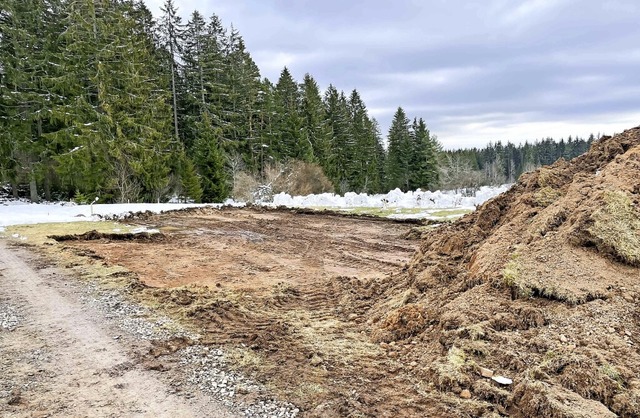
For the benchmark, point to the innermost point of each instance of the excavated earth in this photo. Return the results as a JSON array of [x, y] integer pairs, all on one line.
[[526, 307]]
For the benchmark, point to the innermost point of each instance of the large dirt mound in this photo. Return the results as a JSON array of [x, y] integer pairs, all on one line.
[[540, 285]]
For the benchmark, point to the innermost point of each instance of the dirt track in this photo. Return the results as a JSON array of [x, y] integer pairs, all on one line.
[[64, 360]]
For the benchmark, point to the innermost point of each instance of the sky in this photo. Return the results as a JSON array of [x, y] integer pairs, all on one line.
[[475, 70]]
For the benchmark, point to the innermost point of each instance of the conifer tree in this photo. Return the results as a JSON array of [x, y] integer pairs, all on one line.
[[27, 49], [424, 171], [116, 116], [337, 114], [291, 144], [243, 86], [400, 152], [210, 161], [189, 179], [315, 130], [171, 31]]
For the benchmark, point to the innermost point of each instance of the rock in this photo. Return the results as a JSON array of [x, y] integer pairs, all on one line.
[[15, 399], [484, 372], [156, 366], [316, 360], [502, 380], [611, 330], [465, 394], [563, 339]]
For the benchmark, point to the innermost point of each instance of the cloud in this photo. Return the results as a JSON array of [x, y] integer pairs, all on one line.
[[529, 11], [475, 71]]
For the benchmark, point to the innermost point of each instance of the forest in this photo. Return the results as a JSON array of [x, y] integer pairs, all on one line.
[[99, 99]]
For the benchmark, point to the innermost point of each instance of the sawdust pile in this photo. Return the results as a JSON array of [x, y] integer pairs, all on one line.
[[540, 285]]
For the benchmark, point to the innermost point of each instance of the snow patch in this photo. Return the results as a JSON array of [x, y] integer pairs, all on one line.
[[21, 212], [394, 199], [145, 229]]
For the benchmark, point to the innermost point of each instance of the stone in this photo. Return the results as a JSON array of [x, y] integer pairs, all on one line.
[[484, 372], [316, 360], [465, 394], [502, 380], [563, 339]]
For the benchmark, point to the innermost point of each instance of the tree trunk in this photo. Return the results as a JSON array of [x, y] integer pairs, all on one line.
[[14, 188], [33, 189], [47, 186]]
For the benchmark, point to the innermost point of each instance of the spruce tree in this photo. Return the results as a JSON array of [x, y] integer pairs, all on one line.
[[171, 35], [27, 64], [243, 86], [210, 162], [291, 144], [315, 129], [424, 172], [117, 134], [337, 164], [400, 152]]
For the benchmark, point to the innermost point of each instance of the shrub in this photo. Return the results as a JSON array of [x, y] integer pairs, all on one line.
[[297, 178]]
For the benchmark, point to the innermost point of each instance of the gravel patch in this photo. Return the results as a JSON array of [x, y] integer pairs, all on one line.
[[208, 372], [131, 318], [9, 317]]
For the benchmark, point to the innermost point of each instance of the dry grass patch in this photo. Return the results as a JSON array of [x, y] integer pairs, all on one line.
[[616, 228]]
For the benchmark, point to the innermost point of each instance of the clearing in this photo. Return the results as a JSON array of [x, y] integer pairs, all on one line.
[[282, 292], [526, 307]]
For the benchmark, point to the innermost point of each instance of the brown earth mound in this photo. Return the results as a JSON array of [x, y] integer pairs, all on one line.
[[540, 285]]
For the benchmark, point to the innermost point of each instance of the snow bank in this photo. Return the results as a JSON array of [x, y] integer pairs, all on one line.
[[20, 212], [395, 198]]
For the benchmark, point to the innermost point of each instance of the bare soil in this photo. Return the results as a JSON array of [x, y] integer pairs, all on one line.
[[340, 316]]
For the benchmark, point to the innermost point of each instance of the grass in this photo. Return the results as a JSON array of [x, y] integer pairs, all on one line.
[[512, 278], [613, 373], [546, 196], [616, 228], [37, 234]]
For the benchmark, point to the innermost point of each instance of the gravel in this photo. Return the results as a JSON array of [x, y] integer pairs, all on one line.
[[208, 371], [9, 317], [131, 318], [205, 367]]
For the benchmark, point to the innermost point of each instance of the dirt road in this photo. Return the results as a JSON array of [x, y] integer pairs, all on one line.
[[63, 359]]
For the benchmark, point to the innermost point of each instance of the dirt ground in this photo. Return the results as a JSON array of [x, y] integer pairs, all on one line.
[[65, 360], [255, 250], [284, 293], [526, 307]]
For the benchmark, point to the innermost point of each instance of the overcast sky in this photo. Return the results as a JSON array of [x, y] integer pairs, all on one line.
[[475, 70]]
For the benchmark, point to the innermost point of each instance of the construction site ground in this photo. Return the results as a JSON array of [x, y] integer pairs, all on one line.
[[526, 307], [284, 294]]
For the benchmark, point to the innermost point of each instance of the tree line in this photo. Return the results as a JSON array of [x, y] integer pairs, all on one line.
[[98, 98], [499, 164]]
